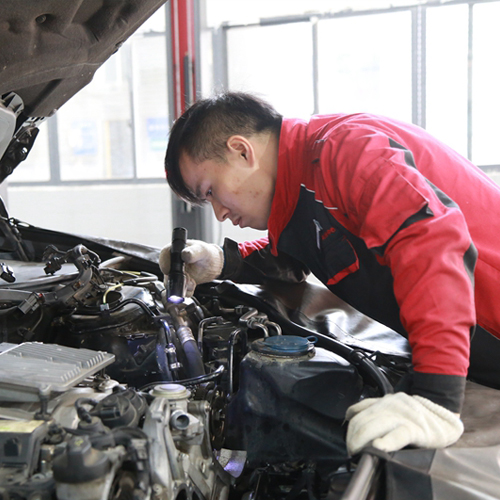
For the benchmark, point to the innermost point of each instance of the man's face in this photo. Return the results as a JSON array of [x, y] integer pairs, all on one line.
[[239, 189]]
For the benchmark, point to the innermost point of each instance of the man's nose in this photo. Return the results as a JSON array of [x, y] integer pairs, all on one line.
[[220, 211]]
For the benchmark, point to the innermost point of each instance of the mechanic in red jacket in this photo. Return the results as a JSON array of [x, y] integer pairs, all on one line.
[[391, 220]]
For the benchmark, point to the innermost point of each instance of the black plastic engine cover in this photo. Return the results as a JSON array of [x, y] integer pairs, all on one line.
[[291, 407]]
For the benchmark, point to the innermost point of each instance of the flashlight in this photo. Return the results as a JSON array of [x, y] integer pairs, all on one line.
[[176, 284]]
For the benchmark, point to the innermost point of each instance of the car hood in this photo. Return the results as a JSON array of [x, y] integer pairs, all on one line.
[[49, 50]]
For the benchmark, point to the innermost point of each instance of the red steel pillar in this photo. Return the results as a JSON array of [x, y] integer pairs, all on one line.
[[183, 54]]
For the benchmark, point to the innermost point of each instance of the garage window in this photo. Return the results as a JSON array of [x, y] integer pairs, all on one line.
[[433, 65], [115, 129]]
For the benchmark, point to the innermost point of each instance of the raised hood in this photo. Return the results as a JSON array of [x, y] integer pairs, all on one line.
[[49, 50]]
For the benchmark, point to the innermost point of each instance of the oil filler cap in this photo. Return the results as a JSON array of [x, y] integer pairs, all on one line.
[[284, 345]]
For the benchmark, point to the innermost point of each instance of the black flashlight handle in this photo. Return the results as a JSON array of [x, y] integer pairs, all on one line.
[[177, 276]]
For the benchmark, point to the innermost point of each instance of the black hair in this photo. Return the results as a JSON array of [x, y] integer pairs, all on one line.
[[204, 128]]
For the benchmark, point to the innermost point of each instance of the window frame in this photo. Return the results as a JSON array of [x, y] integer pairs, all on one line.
[[418, 55], [220, 79], [53, 142]]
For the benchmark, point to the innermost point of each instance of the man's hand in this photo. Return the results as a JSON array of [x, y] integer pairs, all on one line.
[[397, 420], [204, 263]]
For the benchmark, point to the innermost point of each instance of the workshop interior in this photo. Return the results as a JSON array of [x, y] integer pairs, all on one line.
[[116, 386]]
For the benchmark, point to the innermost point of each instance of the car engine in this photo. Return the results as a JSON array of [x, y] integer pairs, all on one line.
[[111, 390]]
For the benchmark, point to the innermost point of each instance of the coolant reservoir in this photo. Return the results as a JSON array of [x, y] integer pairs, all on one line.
[[291, 402]]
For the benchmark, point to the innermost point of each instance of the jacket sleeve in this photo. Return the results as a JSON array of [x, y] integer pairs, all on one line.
[[252, 262], [418, 232]]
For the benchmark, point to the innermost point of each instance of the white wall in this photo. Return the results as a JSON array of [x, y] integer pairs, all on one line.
[[140, 213]]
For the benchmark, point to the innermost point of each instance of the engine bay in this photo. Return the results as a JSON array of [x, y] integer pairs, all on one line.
[[112, 391]]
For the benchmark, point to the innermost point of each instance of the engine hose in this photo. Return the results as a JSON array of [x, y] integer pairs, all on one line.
[[170, 351], [161, 354], [202, 379], [130, 438], [358, 359], [230, 364], [82, 412], [195, 367], [192, 355], [140, 303]]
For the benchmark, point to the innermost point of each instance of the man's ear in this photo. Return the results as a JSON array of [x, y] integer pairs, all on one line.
[[241, 147]]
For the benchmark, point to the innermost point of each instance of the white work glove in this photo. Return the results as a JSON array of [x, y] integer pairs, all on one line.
[[204, 263], [397, 420]]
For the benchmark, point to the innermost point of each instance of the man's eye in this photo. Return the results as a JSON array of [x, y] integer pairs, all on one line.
[[208, 193]]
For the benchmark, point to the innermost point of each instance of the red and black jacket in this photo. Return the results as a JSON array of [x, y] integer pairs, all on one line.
[[398, 225]]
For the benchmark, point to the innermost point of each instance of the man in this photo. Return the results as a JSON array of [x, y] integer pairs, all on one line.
[[388, 218]]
